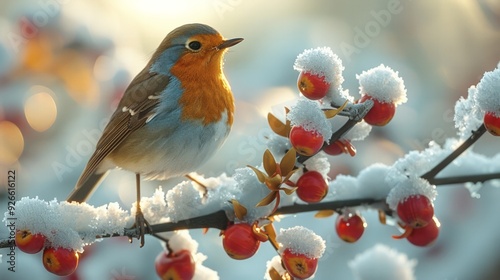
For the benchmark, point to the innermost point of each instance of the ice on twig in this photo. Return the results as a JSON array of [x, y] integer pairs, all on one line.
[[382, 262]]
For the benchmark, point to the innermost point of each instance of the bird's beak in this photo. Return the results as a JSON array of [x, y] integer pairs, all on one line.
[[229, 43]]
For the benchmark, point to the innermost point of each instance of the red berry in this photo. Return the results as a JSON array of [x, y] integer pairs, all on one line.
[[312, 86], [415, 210], [60, 261], [306, 142], [350, 227], [311, 187], [492, 123], [299, 266], [381, 113], [29, 243], [179, 265], [425, 236], [239, 241], [340, 146]]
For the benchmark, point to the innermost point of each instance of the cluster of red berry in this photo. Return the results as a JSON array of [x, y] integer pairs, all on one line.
[[60, 261]]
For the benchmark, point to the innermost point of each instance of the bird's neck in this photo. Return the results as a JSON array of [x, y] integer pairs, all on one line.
[[207, 94]]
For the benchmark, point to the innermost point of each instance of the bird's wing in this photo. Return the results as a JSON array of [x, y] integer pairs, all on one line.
[[138, 104]]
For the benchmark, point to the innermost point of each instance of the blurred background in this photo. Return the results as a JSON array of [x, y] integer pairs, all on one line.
[[64, 65]]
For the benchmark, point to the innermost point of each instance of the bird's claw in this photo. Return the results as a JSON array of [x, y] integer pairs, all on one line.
[[141, 227]]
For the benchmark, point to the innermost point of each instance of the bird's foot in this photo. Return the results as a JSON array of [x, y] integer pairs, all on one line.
[[141, 227]]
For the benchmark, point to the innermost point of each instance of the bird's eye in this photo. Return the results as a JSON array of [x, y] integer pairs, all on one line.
[[194, 46]]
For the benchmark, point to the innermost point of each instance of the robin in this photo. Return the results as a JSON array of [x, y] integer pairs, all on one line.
[[172, 117]]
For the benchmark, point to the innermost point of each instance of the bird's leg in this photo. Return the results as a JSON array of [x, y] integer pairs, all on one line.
[[140, 222], [205, 189]]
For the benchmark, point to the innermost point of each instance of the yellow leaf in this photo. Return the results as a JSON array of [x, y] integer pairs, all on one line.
[[333, 112], [277, 126], [239, 210], [324, 214], [271, 233], [288, 191], [269, 163], [267, 200], [273, 273], [260, 175], [382, 217], [273, 183], [288, 162]]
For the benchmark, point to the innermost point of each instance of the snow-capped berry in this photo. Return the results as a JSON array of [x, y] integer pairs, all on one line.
[[350, 226], [306, 142], [300, 248], [323, 63], [312, 86], [382, 84], [416, 211], [298, 265], [381, 113]]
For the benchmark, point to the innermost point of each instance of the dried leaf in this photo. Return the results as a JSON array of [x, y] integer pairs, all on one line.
[[382, 217], [277, 126], [289, 175], [289, 191], [273, 183], [260, 175], [288, 161], [239, 210], [269, 163], [274, 274], [258, 233], [333, 112], [271, 233], [324, 214], [267, 200]]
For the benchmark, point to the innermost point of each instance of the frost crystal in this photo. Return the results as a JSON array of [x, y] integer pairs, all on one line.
[[308, 114], [382, 262], [488, 92], [301, 240], [468, 116], [411, 186], [322, 62], [383, 84]]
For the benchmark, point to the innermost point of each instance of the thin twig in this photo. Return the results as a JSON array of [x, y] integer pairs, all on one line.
[[431, 174]]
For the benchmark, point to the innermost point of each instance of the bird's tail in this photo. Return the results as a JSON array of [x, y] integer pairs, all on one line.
[[84, 190]]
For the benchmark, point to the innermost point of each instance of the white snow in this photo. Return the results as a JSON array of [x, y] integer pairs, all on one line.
[[359, 132], [383, 84], [275, 263], [382, 262], [488, 92], [322, 62], [69, 225], [412, 186], [301, 240], [308, 114], [468, 115]]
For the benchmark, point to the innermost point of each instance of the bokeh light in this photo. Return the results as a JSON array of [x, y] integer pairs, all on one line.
[[41, 111], [11, 142]]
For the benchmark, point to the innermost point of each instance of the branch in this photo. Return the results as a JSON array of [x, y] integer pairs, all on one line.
[[431, 174]]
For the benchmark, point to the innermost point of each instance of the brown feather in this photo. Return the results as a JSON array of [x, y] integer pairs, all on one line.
[[122, 124]]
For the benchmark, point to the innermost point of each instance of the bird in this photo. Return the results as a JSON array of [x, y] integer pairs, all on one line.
[[174, 115]]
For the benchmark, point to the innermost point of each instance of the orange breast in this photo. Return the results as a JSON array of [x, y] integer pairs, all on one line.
[[207, 93]]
